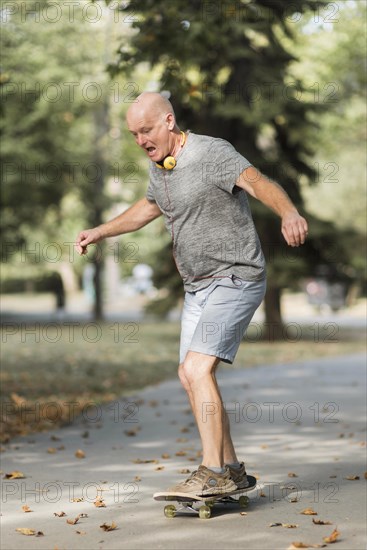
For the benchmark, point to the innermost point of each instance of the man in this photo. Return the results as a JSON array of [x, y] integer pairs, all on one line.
[[199, 184]]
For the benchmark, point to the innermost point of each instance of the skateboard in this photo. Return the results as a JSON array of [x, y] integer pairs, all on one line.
[[187, 502]]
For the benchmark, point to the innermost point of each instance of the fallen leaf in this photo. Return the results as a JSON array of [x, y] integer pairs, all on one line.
[[77, 499], [332, 538], [309, 512], [99, 503], [73, 521], [286, 525], [159, 468], [107, 527], [181, 453], [81, 532], [365, 475], [139, 461], [292, 474], [26, 508], [293, 499], [131, 433], [243, 513], [262, 494], [16, 474], [80, 454], [25, 531], [55, 438], [18, 400], [137, 478], [321, 522], [303, 545], [352, 478], [59, 514], [184, 471], [184, 430], [166, 455], [51, 450]]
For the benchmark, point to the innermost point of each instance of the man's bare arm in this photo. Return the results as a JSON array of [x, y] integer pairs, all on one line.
[[294, 226], [137, 216]]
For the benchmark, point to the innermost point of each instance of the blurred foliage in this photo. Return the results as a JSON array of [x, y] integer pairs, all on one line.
[[228, 67], [67, 162], [234, 69]]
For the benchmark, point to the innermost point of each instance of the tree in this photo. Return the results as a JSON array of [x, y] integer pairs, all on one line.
[[59, 130], [226, 67]]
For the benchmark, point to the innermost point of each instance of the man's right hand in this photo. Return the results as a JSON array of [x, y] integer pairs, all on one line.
[[86, 237]]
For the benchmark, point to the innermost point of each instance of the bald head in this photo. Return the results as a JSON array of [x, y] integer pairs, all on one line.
[[151, 120], [151, 103]]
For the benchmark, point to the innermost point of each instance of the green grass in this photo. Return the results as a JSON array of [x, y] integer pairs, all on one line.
[[43, 363]]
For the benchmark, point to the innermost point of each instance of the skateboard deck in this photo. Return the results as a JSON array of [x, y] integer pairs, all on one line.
[[187, 502]]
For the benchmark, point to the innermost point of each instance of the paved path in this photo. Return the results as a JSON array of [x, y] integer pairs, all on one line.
[[304, 419]]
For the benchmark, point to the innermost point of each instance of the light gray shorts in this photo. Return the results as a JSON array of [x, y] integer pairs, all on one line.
[[214, 319]]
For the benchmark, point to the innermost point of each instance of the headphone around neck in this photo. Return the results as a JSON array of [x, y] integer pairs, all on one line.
[[169, 162]]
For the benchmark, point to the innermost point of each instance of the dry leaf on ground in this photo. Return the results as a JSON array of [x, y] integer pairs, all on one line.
[[73, 521], [321, 522], [80, 454], [303, 545], [59, 514], [107, 527], [16, 474], [333, 537], [309, 512], [29, 532], [351, 478], [286, 525], [26, 508], [99, 503], [292, 474], [150, 461]]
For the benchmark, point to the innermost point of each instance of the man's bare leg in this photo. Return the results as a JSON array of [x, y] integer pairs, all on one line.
[[197, 375]]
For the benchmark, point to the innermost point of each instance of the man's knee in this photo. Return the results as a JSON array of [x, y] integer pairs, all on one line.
[[182, 376], [196, 365]]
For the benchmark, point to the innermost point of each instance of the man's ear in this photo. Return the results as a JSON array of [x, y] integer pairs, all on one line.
[[170, 121]]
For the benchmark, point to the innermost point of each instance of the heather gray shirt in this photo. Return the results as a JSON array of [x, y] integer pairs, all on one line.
[[207, 215]]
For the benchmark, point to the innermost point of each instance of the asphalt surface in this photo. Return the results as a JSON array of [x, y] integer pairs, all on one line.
[[300, 428]]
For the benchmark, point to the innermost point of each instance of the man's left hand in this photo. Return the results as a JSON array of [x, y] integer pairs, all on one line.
[[294, 229]]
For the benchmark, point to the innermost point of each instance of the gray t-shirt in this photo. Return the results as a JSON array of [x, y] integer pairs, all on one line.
[[207, 215]]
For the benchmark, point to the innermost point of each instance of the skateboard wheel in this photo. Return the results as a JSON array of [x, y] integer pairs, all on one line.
[[243, 501], [205, 512], [170, 511]]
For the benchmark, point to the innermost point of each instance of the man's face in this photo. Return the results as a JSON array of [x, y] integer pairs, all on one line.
[[152, 133]]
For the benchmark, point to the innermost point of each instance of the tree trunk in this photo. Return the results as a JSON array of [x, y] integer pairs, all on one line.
[[101, 129], [273, 329]]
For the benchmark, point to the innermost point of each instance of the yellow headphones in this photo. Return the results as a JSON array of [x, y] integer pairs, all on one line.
[[169, 162]]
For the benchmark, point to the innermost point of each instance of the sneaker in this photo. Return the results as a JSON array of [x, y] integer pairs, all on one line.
[[238, 476], [205, 482]]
